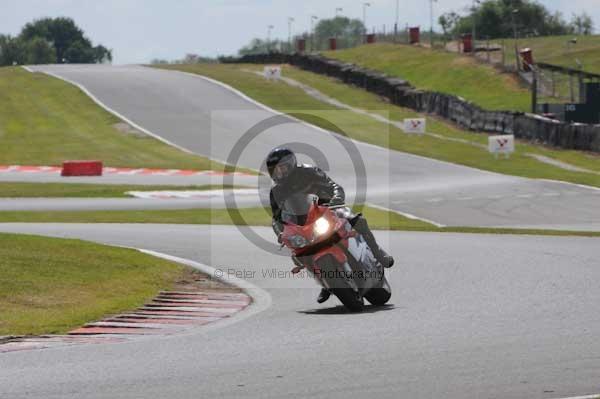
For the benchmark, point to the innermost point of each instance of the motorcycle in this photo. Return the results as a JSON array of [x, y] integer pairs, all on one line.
[[322, 240]]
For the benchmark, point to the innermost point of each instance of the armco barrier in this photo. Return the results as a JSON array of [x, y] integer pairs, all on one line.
[[453, 108], [81, 168]]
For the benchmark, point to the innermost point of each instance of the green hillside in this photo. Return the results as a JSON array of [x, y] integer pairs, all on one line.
[[444, 72], [44, 121]]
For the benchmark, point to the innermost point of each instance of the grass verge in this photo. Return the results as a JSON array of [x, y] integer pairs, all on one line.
[[44, 121], [364, 100], [83, 190], [51, 285], [378, 220], [285, 98], [441, 71]]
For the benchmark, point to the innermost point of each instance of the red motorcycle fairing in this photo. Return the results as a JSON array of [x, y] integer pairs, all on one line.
[[337, 227], [321, 240], [338, 253]]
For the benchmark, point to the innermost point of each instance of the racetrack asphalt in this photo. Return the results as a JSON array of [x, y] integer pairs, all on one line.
[[206, 118], [471, 316]]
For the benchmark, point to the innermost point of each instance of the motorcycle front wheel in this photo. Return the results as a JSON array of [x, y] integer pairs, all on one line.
[[339, 286]]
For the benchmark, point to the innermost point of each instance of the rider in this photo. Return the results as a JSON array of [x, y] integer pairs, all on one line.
[[290, 178]]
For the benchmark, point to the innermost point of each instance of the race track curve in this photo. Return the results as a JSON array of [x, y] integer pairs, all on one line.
[[469, 318], [472, 316], [207, 118]]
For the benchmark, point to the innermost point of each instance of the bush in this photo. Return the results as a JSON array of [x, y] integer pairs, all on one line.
[[51, 40]]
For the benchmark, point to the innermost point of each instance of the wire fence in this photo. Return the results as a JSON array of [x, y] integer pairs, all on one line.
[[552, 85], [557, 87], [315, 43]]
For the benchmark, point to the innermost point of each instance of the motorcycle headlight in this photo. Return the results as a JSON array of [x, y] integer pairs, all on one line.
[[321, 226], [298, 241]]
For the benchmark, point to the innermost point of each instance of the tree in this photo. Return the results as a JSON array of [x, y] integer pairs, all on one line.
[[494, 19], [61, 32], [348, 32], [190, 58], [448, 22], [256, 46], [67, 39], [39, 51], [79, 53], [582, 24], [11, 51], [102, 54], [260, 46], [556, 23]]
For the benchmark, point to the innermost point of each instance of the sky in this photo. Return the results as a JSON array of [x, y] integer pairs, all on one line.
[[140, 30]]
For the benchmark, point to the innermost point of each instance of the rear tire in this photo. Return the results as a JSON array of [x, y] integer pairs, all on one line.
[[378, 296], [341, 287]]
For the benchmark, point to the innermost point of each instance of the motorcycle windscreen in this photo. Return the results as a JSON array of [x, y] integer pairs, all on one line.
[[296, 207]]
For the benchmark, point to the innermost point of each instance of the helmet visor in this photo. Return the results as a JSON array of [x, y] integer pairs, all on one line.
[[284, 168]]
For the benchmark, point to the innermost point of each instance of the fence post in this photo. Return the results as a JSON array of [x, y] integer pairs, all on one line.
[[579, 84], [571, 87], [534, 90]]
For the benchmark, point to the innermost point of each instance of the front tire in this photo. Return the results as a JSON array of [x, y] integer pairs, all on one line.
[[340, 287], [349, 298]]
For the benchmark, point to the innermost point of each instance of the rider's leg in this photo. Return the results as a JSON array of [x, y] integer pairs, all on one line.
[[361, 225]]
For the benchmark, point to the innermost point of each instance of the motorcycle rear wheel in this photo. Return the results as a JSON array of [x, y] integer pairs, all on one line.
[[378, 296], [341, 287]]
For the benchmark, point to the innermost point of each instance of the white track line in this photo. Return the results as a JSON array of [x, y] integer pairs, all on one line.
[[357, 142], [112, 111], [123, 117], [583, 397], [266, 108], [406, 215], [372, 145], [191, 193], [572, 184]]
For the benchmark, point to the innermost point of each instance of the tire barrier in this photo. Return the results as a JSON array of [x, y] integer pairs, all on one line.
[[453, 108]]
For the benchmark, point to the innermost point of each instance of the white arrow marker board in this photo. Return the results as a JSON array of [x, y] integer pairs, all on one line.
[[416, 125], [272, 72], [501, 144]]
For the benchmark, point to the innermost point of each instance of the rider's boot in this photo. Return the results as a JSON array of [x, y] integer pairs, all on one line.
[[381, 255], [386, 259], [323, 295]]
